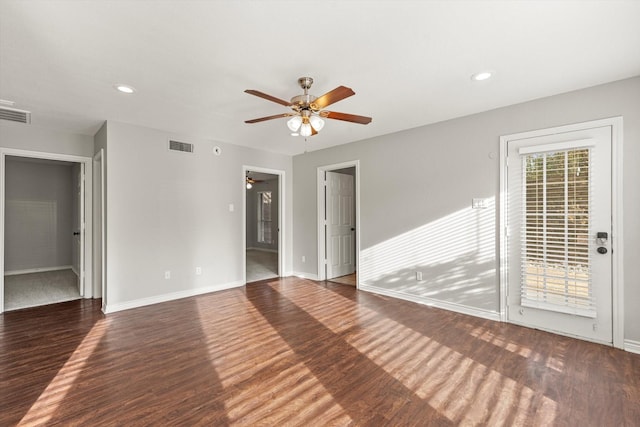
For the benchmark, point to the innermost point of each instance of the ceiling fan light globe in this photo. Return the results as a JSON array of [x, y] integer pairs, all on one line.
[[294, 123], [249, 186], [316, 122], [305, 130]]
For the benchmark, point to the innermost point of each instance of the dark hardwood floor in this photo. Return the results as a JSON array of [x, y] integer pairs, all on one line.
[[296, 352]]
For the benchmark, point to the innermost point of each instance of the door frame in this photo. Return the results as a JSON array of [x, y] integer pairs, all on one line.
[[98, 220], [86, 164], [281, 217], [321, 204], [617, 276]]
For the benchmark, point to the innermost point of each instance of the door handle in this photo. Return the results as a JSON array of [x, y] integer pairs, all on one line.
[[353, 229], [76, 233]]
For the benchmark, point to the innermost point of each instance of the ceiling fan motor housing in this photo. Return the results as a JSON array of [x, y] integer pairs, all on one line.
[[301, 102]]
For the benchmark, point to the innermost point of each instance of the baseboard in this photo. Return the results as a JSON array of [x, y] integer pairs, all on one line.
[[302, 275], [273, 251], [458, 308], [38, 270], [632, 346], [112, 308]]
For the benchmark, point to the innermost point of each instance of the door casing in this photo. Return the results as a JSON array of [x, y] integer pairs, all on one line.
[[99, 232], [617, 278], [86, 163]]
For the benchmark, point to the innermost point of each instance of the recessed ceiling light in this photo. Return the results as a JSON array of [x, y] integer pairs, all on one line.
[[124, 88], [483, 75]]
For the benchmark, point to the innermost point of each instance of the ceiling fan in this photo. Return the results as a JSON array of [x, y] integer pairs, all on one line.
[[309, 110], [250, 181]]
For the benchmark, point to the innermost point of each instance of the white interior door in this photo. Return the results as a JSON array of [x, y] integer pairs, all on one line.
[[340, 230], [559, 228]]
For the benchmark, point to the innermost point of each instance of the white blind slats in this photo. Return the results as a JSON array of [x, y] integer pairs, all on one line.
[[556, 255]]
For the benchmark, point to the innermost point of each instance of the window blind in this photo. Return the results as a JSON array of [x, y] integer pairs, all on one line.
[[556, 230]]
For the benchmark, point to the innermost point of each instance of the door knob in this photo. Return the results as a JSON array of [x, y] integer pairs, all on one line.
[[602, 250], [76, 233]]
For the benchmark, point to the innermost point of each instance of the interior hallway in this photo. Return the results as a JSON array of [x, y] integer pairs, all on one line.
[[261, 265]]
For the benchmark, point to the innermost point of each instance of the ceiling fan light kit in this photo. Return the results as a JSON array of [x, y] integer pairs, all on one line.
[[308, 110], [294, 123]]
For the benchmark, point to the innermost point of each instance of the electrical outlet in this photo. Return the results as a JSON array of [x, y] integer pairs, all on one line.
[[479, 203], [198, 271], [167, 274], [304, 258], [418, 275]]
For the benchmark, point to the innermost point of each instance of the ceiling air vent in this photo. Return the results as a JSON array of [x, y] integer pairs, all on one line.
[[185, 147], [15, 115]]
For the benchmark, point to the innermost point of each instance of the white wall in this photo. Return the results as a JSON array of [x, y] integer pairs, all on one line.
[[38, 214], [30, 137], [169, 211], [416, 189]]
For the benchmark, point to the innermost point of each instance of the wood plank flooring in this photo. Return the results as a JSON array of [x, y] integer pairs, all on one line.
[[349, 279], [297, 352]]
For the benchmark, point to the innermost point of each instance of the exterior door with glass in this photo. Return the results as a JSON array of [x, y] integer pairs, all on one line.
[[558, 233]]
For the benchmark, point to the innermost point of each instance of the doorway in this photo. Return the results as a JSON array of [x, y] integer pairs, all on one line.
[[338, 224], [263, 195], [43, 203], [561, 232]]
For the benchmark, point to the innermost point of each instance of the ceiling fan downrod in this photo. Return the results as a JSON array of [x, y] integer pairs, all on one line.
[[302, 102]]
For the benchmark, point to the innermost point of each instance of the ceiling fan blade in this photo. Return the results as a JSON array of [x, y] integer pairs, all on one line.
[[338, 94], [268, 97], [363, 120], [262, 119]]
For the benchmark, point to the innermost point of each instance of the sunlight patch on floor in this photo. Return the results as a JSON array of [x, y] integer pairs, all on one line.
[[488, 336], [294, 385], [50, 399], [457, 386]]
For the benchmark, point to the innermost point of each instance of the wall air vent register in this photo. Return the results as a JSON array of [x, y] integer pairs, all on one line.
[[185, 147]]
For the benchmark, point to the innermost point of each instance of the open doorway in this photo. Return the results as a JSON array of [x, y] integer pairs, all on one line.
[[338, 213], [44, 244], [263, 218]]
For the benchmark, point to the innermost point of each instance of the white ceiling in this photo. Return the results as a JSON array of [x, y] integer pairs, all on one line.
[[409, 62]]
